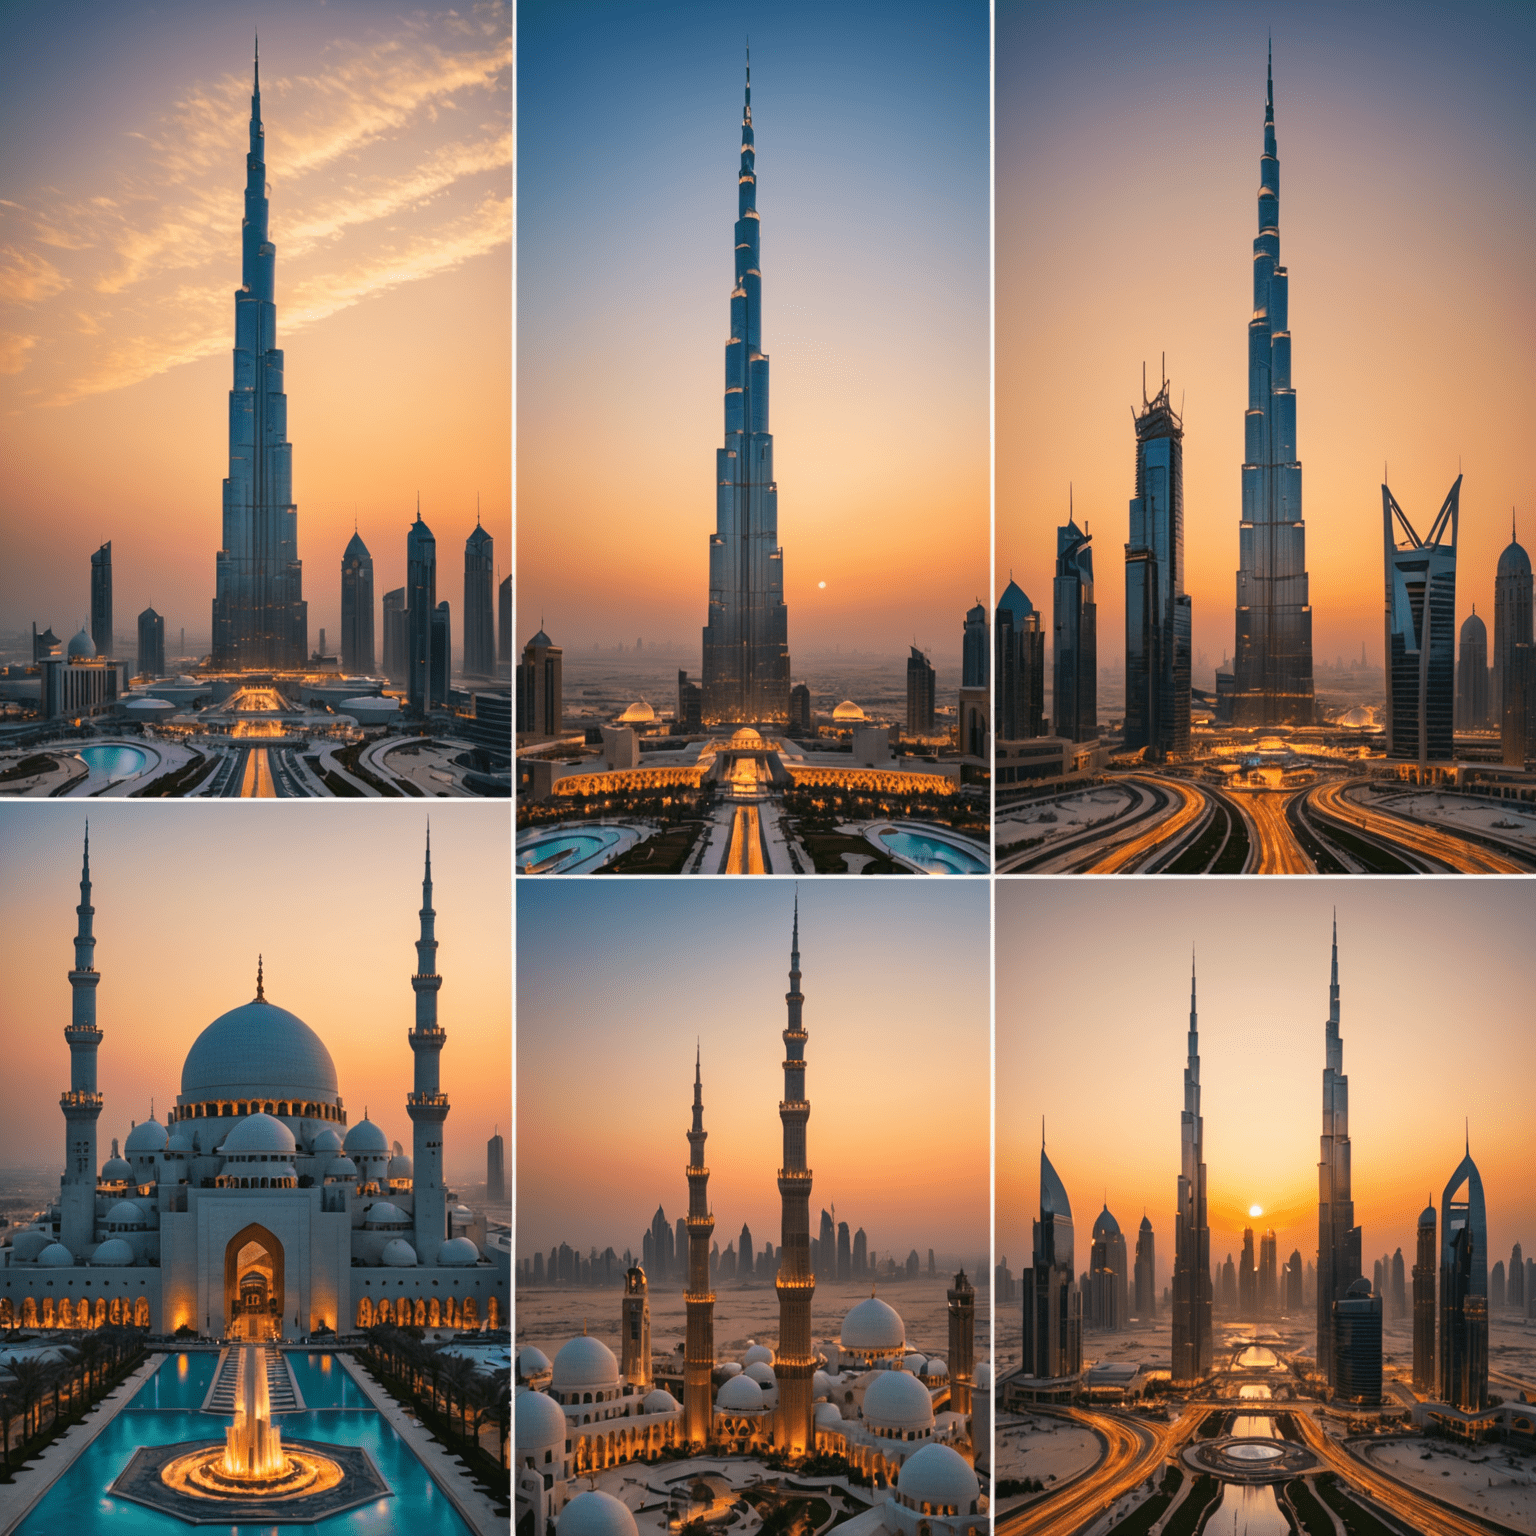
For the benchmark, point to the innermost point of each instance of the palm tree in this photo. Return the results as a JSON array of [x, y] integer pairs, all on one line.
[[30, 1374], [501, 1406], [7, 1415], [88, 1353], [459, 1377]]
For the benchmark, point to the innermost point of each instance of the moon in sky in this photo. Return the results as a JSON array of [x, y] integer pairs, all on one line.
[[1255, 1210]]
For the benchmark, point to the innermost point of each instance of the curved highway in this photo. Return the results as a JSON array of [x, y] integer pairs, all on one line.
[[1432, 849], [1190, 807], [1276, 850]]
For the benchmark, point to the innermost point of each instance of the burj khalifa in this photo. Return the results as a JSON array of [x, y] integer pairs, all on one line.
[[746, 641], [260, 619]]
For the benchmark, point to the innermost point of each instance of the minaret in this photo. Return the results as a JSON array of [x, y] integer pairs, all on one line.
[[1338, 1238], [259, 617], [1424, 1303], [746, 638], [1272, 665], [428, 1105], [635, 1343], [82, 1104], [962, 1343], [1191, 1235], [699, 1351], [794, 1364]]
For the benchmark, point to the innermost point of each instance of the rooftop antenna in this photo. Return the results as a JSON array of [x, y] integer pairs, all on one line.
[[260, 991]]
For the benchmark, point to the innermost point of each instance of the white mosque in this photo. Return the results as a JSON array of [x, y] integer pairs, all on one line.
[[255, 1201]]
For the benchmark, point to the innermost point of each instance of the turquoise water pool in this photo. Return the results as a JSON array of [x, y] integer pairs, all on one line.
[[164, 1410], [576, 846], [938, 857], [114, 762]]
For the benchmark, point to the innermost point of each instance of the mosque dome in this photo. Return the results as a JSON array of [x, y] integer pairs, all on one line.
[[935, 1367], [746, 737], [182, 1139], [258, 1051], [126, 1214], [256, 1134], [365, 1136], [1106, 1225], [757, 1352], [638, 713], [531, 1361], [537, 1424], [1513, 562], [325, 1140], [401, 1167], [82, 647], [1473, 628], [56, 1256], [382, 1214], [659, 1401], [898, 1400], [458, 1250], [914, 1363], [26, 1246], [149, 1136], [113, 1251], [821, 1385], [729, 1368], [398, 1254], [938, 1475], [739, 1395], [340, 1168], [115, 1170], [847, 710], [828, 1413], [584, 1362], [595, 1513], [1427, 1215], [760, 1373], [873, 1325]]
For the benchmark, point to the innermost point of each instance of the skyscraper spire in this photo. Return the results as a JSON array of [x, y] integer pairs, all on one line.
[[698, 1298], [81, 1104], [1338, 1238], [427, 1104], [1192, 1293]]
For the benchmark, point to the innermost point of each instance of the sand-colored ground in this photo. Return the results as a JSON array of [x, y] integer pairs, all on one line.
[[1037, 1445], [1489, 1480]]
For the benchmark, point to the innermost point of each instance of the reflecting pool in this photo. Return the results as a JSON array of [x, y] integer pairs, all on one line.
[[548, 856], [934, 855], [114, 762]]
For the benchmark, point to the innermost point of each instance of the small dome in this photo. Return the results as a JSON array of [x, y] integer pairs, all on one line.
[[828, 1413], [821, 1385], [382, 1214], [81, 646], [757, 1352], [913, 1362], [1361, 1287], [531, 1360], [746, 737], [56, 1256], [847, 710], [728, 1368], [638, 713], [149, 1136], [340, 1168], [898, 1400], [761, 1374], [1513, 562], [398, 1254], [183, 1138], [537, 1422], [935, 1367], [26, 1246], [365, 1136], [595, 1513], [113, 1251], [400, 1167], [1473, 628], [1106, 1225], [256, 1134], [659, 1401], [126, 1214], [1427, 1216], [873, 1325], [325, 1140], [740, 1395], [584, 1362], [1014, 600], [458, 1250], [116, 1170], [938, 1475]]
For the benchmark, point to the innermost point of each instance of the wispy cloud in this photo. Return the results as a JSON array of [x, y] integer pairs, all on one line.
[[389, 163], [14, 350]]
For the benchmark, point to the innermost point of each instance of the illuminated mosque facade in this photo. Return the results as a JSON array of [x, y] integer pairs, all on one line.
[[906, 1420], [256, 1201]]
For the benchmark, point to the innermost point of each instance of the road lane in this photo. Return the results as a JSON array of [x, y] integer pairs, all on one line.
[[1445, 848]]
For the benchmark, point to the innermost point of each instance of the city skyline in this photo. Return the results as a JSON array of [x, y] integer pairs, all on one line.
[[361, 896], [388, 152], [1369, 103], [865, 988], [910, 348], [1262, 1054]]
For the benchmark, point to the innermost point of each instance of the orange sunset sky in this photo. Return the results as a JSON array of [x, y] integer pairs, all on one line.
[[389, 155], [186, 895], [1128, 144], [1436, 981]]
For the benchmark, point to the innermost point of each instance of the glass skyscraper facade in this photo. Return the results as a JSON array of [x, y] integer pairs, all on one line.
[[1272, 668], [260, 619], [1075, 661], [746, 641], [357, 607]]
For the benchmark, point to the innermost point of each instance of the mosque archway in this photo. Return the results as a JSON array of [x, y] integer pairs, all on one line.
[[253, 1282]]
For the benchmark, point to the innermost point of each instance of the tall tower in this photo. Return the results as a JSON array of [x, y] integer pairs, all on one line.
[[746, 640], [1053, 1300], [1075, 621], [1192, 1296], [1146, 1272], [1472, 675], [82, 1103], [357, 607], [259, 616], [101, 600], [1463, 1361], [1338, 1238], [420, 606], [1424, 1304], [1420, 611], [1158, 614], [479, 595], [962, 1343], [1020, 666], [635, 1334], [428, 1104], [699, 1299], [1272, 670], [794, 1364], [1512, 589]]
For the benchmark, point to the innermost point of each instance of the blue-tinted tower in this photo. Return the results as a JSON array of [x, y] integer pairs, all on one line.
[[1075, 623], [427, 1105]]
